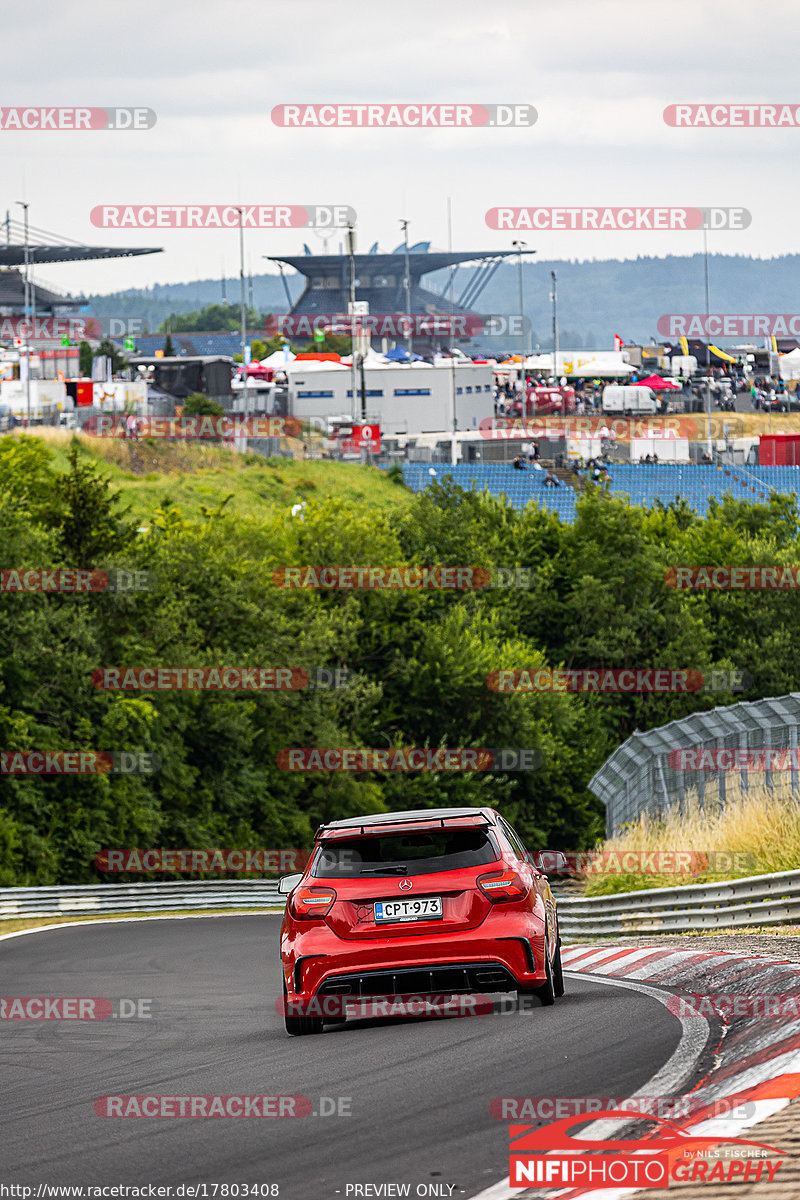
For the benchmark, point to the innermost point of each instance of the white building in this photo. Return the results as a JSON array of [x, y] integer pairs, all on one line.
[[409, 398]]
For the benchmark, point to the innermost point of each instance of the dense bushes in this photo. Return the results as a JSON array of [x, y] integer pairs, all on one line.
[[418, 660]]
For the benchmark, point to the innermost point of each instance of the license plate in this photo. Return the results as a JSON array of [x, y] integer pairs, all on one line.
[[425, 908]]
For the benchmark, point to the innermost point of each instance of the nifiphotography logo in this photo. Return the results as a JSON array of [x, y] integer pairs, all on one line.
[[552, 1156]]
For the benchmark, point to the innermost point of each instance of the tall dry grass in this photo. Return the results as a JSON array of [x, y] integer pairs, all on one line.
[[757, 831]]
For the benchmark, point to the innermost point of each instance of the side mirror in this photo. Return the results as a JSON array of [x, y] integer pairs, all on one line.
[[550, 862], [289, 882]]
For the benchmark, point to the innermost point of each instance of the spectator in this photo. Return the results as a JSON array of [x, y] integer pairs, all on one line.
[[550, 480], [535, 446], [519, 463]]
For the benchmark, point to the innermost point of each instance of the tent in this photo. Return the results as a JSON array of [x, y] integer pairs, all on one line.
[[657, 384], [278, 359], [401, 354], [603, 368], [789, 365], [256, 370]]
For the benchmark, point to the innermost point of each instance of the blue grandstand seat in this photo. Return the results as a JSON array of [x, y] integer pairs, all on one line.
[[642, 483]]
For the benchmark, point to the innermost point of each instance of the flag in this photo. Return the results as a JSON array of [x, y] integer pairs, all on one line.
[[721, 354], [319, 335], [618, 342], [774, 344], [684, 346]]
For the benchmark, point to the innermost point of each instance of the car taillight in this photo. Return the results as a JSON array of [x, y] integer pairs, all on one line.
[[502, 885], [310, 902]]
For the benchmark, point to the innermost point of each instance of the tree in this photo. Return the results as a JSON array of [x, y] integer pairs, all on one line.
[[168, 347], [199, 405], [332, 343], [85, 359], [214, 318], [109, 350], [88, 525]]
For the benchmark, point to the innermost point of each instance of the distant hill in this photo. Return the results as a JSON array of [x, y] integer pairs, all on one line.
[[596, 299]]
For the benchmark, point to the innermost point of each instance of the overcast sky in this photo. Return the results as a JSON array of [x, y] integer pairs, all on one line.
[[599, 75]]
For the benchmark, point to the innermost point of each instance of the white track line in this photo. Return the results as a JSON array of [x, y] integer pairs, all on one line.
[[675, 1072]]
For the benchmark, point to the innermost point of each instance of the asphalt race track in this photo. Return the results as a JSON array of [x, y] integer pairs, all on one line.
[[420, 1089]]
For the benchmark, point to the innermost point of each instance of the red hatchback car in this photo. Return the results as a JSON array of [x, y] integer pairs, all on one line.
[[435, 900]]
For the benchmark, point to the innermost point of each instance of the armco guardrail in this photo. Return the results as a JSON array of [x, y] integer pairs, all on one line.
[[759, 899], [96, 899], [756, 900]]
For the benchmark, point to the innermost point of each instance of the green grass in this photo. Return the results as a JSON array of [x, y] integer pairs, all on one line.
[[190, 475]]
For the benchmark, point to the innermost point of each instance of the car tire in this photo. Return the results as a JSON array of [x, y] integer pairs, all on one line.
[[299, 1026], [545, 993], [558, 972]]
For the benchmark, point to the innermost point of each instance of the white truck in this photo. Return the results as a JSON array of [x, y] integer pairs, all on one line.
[[627, 399]]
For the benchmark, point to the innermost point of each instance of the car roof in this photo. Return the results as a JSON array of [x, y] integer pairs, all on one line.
[[421, 816]]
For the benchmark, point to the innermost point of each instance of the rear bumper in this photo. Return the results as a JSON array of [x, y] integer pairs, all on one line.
[[316, 961]]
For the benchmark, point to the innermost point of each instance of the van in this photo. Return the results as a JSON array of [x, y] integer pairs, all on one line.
[[684, 365], [628, 399]]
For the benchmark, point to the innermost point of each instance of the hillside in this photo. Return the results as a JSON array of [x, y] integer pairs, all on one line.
[[156, 474], [596, 299]]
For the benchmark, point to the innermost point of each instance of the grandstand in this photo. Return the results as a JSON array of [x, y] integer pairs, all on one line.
[[642, 483]]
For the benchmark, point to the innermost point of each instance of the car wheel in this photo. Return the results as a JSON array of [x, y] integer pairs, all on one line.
[[299, 1026], [545, 992], [558, 973]]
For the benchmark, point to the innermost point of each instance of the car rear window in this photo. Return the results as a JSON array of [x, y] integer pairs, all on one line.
[[415, 853]]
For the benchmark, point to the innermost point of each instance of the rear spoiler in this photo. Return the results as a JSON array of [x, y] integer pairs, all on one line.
[[469, 820]]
